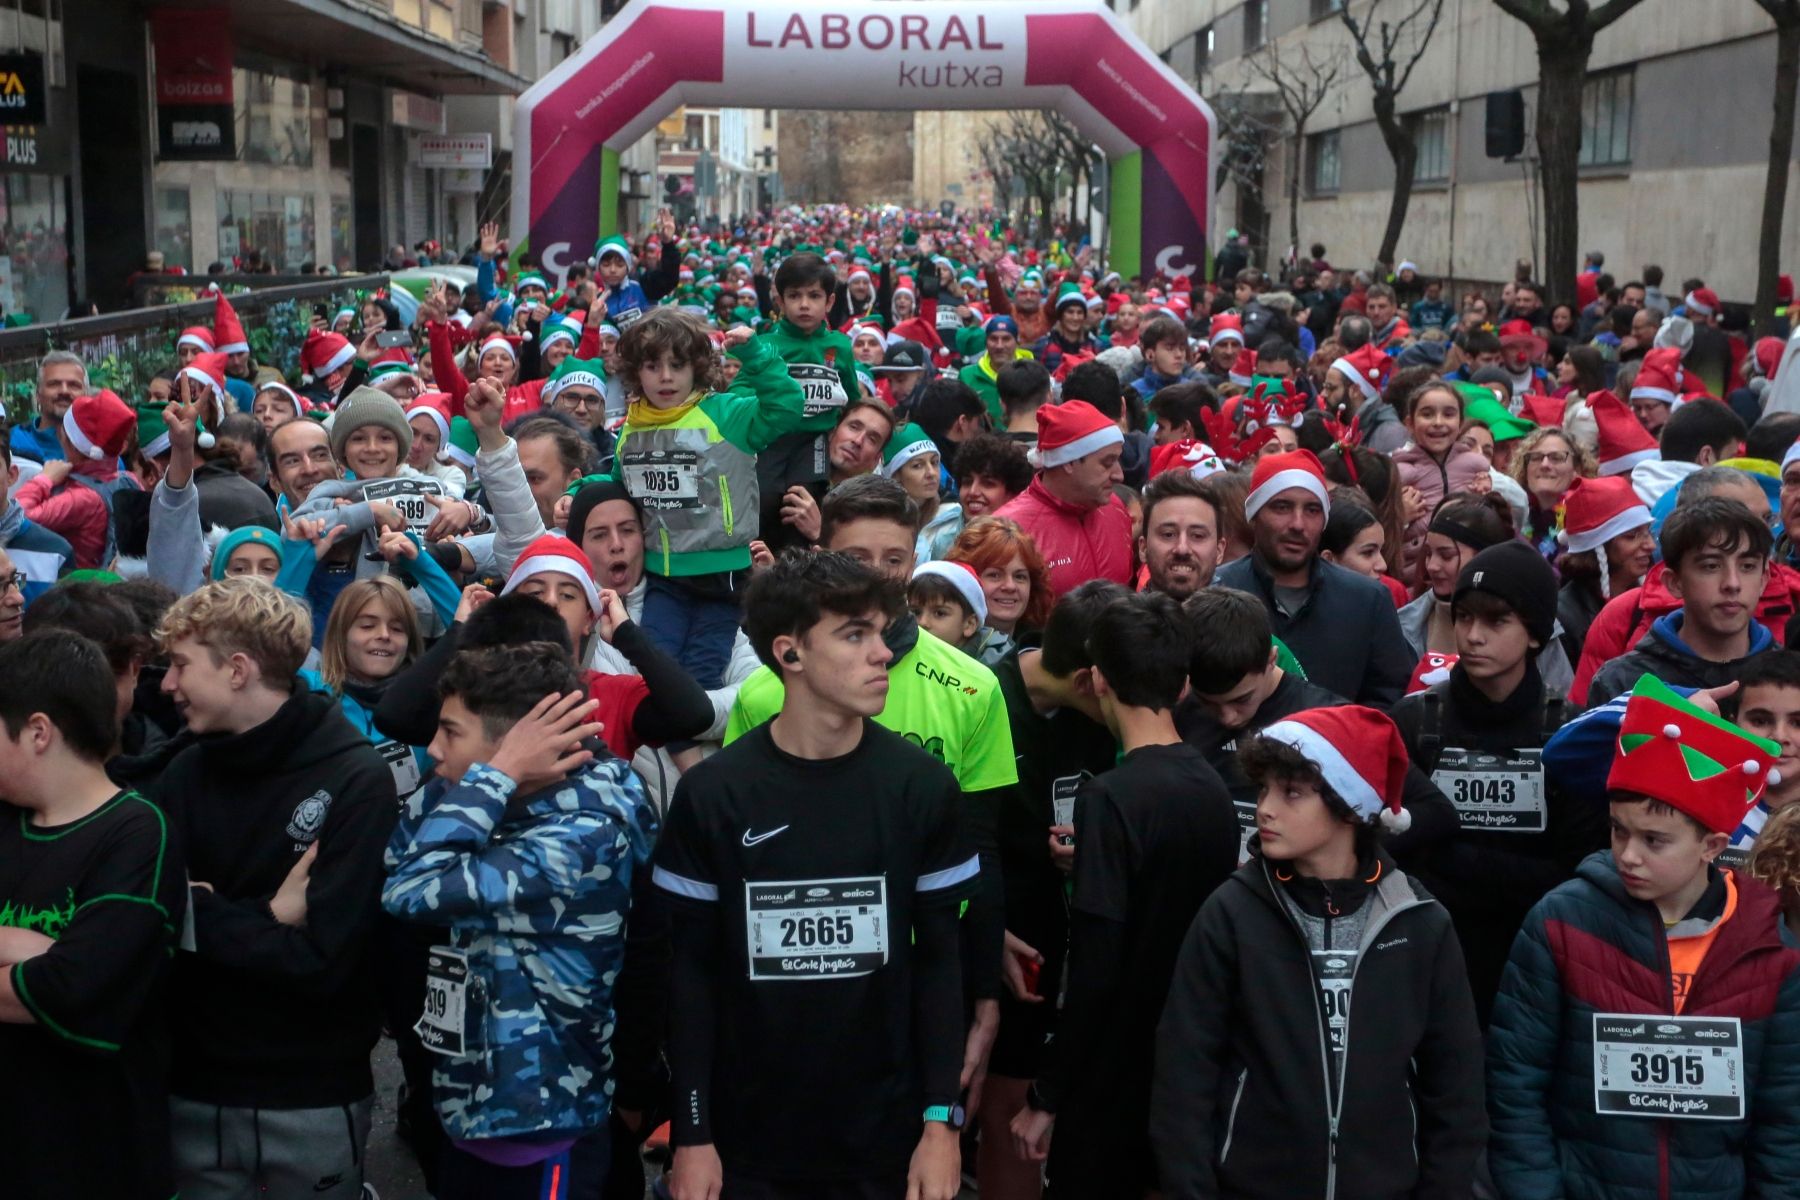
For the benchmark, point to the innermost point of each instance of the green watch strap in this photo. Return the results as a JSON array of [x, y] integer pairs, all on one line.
[[938, 1112]]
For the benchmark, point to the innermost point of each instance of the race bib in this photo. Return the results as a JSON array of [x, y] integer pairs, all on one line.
[[823, 386], [664, 478], [440, 1025], [947, 318], [816, 928], [1501, 792], [1062, 797], [1654, 1066], [405, 767], [407, 495], [1246, 819], [1335, 969]]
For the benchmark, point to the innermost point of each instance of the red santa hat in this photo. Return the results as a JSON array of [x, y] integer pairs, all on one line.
[[99, 425], [228, 331], [197, 336], [324, 352], [1660, 377], [1520, 333], [1597, 510], [1071, 430], [1542, 410], [508, 342], [1359, 753], [1366, 368], [1226, 327], [1693, 761], [435, 405], [1244, 368], [1704, 301], [1276, 473], [1623, 442], [962, 577], [555, 554], [207, 370]]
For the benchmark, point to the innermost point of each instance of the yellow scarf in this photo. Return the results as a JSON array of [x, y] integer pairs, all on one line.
[[642, 412]]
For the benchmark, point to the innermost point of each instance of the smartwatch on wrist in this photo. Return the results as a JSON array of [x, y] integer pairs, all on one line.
[[950, 1114]]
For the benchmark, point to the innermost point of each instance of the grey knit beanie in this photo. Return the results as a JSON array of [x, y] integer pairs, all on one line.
[[367, 406]]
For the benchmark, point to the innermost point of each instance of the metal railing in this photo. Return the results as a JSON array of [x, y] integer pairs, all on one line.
[[125, 350]]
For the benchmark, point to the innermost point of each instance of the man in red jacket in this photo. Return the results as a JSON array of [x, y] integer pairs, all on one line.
[[1070, 510]]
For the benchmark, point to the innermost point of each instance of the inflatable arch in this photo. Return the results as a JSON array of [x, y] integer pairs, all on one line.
[[1072, 56]]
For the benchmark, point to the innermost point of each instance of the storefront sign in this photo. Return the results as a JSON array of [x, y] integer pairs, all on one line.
[[194, 115], [456, 150], [23, 100], [21, 147], [412, 111]]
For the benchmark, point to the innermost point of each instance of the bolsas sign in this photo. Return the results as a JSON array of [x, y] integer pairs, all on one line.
[[195, 116], [1073, 56], [23, 100]]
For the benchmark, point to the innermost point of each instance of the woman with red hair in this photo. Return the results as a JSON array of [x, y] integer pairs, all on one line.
[[1013, 578]]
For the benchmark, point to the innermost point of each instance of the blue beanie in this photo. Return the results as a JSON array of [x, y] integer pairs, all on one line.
[[1002, 325], [230, 542]]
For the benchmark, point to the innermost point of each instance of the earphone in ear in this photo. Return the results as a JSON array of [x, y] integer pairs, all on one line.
[[790, 657]]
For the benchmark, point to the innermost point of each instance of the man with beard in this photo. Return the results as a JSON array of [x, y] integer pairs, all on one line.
[[1340, 625], [1028, 309], [62, 376], [1180, 542], [852, 448]]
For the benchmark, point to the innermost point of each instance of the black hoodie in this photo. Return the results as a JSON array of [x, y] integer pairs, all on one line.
[[265, 1014]]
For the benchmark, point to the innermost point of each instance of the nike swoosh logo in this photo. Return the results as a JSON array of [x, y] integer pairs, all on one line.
[[751, 839]]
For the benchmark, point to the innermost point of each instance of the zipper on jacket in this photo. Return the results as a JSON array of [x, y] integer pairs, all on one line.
[[725, 500], [1231, 1121]]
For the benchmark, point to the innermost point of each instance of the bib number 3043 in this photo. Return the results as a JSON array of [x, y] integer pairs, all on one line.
[[816, 928], [1655, 1066]]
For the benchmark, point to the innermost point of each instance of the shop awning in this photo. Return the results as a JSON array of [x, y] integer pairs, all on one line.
[[362, 39]]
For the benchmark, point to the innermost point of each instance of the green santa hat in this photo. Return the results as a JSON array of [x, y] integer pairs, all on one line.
[[575, 372], [615, 244], [153, 432], [463, 444], [1070, 293], [909, 442]]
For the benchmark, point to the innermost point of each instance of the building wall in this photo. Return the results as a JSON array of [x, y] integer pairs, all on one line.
[[1690, 198], [847, 157], [947, 158]]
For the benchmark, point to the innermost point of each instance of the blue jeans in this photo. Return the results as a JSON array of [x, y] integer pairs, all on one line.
[[695, 630]]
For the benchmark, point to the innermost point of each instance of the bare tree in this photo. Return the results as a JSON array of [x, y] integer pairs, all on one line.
[[1781, 150], [1388, 59], [1565, 42], [1301, 87], [1045, 154]]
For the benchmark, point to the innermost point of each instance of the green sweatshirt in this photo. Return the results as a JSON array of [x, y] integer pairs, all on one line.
[[813, 360], [693, 468]]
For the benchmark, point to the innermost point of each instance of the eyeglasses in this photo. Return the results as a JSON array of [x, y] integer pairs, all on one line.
[[16, 580], [1553, 458]]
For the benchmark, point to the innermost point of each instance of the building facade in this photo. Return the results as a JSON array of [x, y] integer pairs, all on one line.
[[1676, 115]]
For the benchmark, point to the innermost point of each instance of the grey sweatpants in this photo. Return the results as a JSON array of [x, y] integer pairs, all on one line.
[[269, 1153]]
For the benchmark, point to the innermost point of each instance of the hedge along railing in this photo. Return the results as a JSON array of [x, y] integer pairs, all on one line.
[[124, 351]]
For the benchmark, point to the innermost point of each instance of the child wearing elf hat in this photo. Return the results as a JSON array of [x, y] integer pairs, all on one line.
[[1319, 1035], [72, 496], [1642, 1039]]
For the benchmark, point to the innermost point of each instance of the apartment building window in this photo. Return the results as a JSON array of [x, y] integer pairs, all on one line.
[[1606, 119], [1322, 163], [1203, 51], [1256, 23], [1431, 134], [1324, 8]]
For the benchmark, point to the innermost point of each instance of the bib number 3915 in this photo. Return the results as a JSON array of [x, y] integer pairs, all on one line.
[[816, 928], [1655, 1066]]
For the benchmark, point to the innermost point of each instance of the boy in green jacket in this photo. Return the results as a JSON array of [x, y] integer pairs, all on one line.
[[822, 361], [688, 456]]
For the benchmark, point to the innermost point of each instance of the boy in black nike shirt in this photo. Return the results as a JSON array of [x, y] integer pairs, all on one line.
[[817, 869], [91, 895], [1153, 837]]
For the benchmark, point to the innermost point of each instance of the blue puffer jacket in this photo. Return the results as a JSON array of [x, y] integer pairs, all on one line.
[[536, 894], [1588, 948]]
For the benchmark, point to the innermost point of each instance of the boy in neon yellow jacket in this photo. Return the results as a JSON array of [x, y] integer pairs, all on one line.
[[687, 455]]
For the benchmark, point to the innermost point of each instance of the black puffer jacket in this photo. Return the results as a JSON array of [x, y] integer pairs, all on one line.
[[1242, 1105]]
